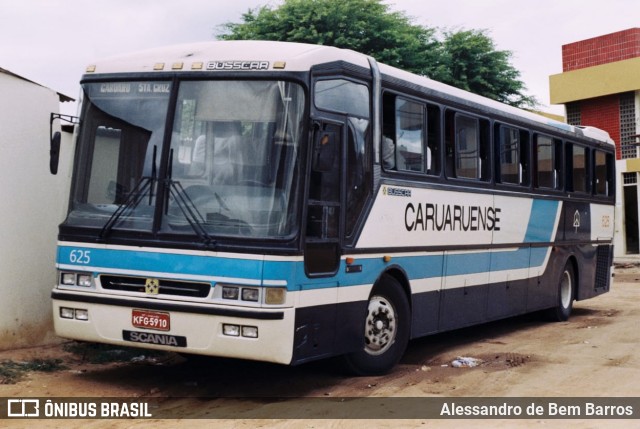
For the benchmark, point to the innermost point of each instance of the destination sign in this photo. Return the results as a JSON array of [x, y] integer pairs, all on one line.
[[129, 89]]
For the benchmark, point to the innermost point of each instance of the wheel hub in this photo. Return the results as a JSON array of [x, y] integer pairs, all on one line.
[[381, 324]]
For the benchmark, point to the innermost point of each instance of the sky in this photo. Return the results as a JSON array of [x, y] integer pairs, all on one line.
[[52, 41]]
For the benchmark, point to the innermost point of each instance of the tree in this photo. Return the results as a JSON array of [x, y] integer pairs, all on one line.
[[366, 26], [372, 28], [471, 62]]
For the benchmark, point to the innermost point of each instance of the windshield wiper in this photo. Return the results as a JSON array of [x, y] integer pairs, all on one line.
[[133, 199], [190, 212]]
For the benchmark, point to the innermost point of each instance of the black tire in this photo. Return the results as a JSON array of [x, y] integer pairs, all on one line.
[[386, 330], [566, 295]]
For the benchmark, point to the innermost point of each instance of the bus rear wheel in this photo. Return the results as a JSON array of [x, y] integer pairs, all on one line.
[[385, 331], [566, 294]]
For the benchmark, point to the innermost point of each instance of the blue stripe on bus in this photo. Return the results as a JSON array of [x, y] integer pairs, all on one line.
[[541, 221], [468, 263], [539, 230], [510, 260], [164, 262], [416, 267]]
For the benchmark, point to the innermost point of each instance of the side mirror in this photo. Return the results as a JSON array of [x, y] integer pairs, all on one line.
[[325, 151], [54, 152]]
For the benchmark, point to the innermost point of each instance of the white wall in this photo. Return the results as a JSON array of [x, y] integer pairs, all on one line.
[[32, 204]]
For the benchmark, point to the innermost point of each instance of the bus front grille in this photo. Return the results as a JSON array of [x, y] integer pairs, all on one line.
[[164, 286]]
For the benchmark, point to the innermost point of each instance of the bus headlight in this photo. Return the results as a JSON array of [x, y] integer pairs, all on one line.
[[84, 280], [74, 313], [81, 314], [250, 294], [76, 279], [249, 331], [68, 279], [240, 292], [230, 292], [231, 330], [67, 313]]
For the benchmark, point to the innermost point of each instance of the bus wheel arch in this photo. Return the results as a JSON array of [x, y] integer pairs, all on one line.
[[401, 277], [385, 329]]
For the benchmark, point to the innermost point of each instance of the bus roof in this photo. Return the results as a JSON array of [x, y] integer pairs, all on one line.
[[469, 97], [288, 56], [205, 55]]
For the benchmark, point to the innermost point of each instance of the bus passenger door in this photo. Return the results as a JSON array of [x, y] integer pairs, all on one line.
[[316, 315], [322, 246], [338, 186]]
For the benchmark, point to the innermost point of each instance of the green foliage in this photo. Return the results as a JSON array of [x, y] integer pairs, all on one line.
[[466, 59], [366, 26], [471, 62]]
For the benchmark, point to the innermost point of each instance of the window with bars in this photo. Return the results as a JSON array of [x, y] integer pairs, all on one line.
[[628, 125], [629, 178], [574, 117]]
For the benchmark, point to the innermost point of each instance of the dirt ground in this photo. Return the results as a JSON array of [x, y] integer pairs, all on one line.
[[595, 353]]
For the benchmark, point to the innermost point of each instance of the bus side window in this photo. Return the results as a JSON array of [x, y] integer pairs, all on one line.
[[558, 166], [577, 171], [509, 155], [525, 158], [388, 149], [403, 134], [513, 155], [546, 173], [409, 139], [408, 142], [467, 146], [485, 150], [449, 141], [467, 150], [603, 173], [433, 140]]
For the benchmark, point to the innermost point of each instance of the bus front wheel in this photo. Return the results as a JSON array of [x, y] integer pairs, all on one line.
[[385, 331]]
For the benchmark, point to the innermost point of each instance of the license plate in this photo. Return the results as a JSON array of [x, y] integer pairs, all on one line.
[[146, 319]]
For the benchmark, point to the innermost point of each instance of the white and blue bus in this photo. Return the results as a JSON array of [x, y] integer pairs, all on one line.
[[287, 202]]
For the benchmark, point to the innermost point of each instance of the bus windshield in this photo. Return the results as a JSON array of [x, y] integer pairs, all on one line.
[[231, 168], [234, 158], [118, 154]]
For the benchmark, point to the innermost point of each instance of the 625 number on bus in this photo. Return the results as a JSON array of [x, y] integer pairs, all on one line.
[[78, 256]]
